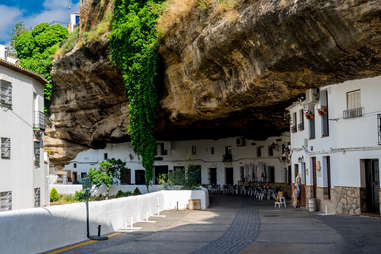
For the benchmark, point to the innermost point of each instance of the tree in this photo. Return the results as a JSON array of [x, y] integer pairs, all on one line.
[[35, 50], [17, 30], [107, 174]]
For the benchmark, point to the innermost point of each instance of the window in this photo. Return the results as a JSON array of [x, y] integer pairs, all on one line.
[[105, 156], [212, 150], [6, 201], [379, 128], [354, 108], [324, 113], [5, 94], [242, 174], [228, 156], [5, 148], [160, 149], [125, 176], [301, 118], [312, 128], [294, 123], [83, 175], [194, 149], [75, 165], [271, 174], [259, 151], [241, 141], [37, 197], [37, 147], [271, 150], [140, 178]]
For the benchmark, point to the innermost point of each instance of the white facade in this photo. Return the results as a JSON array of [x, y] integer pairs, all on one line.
[[22, 169], [74, 21], [208, 154], [354, 135], [4, 55]]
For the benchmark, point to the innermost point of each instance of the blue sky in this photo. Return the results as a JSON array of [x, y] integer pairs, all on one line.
[[32, 12]]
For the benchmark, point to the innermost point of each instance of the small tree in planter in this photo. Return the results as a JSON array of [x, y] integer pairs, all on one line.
[[107, 174]]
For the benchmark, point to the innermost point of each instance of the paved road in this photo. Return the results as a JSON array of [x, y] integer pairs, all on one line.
[[239, 225]]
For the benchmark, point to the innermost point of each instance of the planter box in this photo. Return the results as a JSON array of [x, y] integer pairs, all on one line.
[[194, 204]]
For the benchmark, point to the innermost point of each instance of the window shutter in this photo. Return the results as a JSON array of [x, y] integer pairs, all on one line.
[[324, 98]]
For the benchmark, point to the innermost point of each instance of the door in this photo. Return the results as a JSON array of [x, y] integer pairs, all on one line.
[[313, 161], [213, 176], [229, 176], [303, 186], [140, 177], [159, 171], [372, 186], [75, 177]]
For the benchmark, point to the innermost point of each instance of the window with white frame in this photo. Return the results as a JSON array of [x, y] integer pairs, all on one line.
[[37, 197], [354, 108], [6, 201], [379, 128], [5, 94], [5, 148]]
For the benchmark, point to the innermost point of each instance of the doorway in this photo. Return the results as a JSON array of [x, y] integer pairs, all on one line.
[[372, 182], [229, 176], [303, 186], [314, 182], [160, 170], [213, 176]]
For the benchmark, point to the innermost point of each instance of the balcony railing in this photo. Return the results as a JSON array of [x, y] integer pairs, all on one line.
[[301, 126], [39, 120], [294, 129], [353, 113], [227, 158]]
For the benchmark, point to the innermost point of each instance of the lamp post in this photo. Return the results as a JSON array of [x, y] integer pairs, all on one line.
[[86, 184]]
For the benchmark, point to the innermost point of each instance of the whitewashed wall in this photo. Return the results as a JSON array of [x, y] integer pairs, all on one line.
[[70, 189], [41, 229], [180, 151], [19, 174], [349, 141]]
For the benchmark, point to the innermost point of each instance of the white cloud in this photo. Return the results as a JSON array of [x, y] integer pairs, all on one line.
[[55, 11], [9, 16]]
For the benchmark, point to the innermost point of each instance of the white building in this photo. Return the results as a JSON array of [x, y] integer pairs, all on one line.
[[224, 161], [22, 169], [337, 151], [5, 56], [74, 21]]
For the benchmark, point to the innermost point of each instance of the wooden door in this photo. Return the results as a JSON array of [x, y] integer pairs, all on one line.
[[313, 160], [372, 186], [229, 176], [303, 187]]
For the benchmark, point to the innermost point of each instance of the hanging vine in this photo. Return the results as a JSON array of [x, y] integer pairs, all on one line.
[[133, 44]]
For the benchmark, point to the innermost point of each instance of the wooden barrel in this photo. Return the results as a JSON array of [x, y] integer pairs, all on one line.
[[312, 205]]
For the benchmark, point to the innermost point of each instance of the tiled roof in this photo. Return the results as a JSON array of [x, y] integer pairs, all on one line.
[[22, 70]]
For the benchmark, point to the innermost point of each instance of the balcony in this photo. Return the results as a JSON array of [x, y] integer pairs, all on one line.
[[38, 120], [353, 113], [301, 126], [227, 158], [294, 129]]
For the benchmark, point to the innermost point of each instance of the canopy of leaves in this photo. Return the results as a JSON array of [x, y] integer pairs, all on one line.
[[133, 44], [36, 48]]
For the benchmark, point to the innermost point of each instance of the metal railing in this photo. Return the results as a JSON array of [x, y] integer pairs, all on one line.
[[294, 129], [301, 126], [39, 120], [353, 113]]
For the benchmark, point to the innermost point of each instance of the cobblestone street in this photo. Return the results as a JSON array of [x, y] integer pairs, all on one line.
[[240, 225]]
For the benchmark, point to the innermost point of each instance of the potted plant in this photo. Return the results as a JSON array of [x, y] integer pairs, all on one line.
[[309, 114], [323, 110]]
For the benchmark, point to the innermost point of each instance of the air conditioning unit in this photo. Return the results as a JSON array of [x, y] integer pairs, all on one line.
[[312, 95]]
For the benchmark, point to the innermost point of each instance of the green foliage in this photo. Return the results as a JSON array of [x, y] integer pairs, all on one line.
[[71, 41], [136, 192], [18, 29], [36, 48], [163, 181], [176, 177], [133, 44], [54, 196], [79, 196], [121, 194]]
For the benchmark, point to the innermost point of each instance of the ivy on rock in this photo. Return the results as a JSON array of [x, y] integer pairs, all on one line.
[[133, 47]]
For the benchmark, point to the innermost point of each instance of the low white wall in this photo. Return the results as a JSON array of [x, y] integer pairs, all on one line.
[[72, 188], [41, 229]]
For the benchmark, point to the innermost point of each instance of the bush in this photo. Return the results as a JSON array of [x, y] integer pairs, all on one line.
[[54, 196], [68, 198], [79, 196], [136, 192], [121, 194]]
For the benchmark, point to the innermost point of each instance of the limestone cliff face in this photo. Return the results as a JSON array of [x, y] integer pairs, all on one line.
[[223, 75]]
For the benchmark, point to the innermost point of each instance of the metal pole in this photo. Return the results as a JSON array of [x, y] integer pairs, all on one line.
[[87, 215]]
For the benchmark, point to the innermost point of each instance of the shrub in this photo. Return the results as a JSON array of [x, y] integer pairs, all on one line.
[[79, 196], [68, 198], [136, 192], [54, 196], [121, 194]]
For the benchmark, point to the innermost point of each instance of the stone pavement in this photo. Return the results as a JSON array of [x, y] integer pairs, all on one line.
[[240, 225]]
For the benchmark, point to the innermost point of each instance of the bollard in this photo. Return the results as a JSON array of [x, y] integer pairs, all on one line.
[[177, 206]]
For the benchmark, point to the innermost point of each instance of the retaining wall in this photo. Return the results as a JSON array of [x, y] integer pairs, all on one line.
[[41, 229]]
